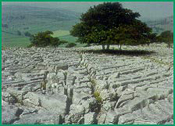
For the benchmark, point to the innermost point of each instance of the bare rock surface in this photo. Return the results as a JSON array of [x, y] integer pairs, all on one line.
[[80, 86]]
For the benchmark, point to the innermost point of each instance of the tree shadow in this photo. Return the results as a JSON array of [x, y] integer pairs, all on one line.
[[121, 52]]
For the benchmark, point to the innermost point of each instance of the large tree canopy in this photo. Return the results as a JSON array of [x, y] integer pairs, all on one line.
[[110, 23]]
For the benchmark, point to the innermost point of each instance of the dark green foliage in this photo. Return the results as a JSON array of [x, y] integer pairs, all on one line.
[[5, 25], [43, 39], [110, 23], [18, 33], [152, 37], [70, 45], [27, 34], [63, 41], [167, 37]]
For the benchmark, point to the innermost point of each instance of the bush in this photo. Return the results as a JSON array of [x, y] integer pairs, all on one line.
[[70, 45], [18, 33], [63, 41], [27, 34], [98, 97], [167, 37], [43, 39]]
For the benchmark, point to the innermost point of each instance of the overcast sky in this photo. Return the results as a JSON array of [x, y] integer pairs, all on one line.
[[147, 10]]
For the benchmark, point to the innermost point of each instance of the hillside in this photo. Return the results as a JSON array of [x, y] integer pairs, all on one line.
[[19, 19], [161, 25], [16, 20]]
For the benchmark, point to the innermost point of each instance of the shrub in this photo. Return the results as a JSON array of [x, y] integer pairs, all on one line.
[[18, 33], [63, 41], [27, 34], [70, 45], [167, 37], [98, 97], [43, 39]]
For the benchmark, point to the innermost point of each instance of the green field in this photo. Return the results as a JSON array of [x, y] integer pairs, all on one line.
[[33, 20], [14, 40], [59, 33]]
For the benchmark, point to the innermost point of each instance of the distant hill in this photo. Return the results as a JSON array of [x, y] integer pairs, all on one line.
[[16, 16], [161, 25], [17, 20]]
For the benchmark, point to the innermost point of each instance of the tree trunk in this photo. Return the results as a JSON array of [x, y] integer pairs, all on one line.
[[120, 47], [103, 46], [108, 46]]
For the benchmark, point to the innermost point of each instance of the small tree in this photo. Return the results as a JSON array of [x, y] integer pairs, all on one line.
[[167, 37], [43, 39], [110, 23], [27, 34]]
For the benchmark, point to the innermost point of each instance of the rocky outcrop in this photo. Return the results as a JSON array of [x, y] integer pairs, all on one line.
[[67, 86]]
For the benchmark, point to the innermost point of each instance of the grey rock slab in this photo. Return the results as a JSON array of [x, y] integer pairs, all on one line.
[[75, 113], [149, 114], [43, 117], [162, 104], [90, 118], [78, 96], [111, 117], [102, 118], [10, 114], [113, 77], [106, 105], [55, 104], [124, 98], [89, 104], [127, 119], [17, 94]]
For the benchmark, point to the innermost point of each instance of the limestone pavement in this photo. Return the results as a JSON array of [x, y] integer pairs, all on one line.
[[72, 86]]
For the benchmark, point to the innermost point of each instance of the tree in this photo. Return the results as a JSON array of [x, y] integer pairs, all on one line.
[[110, 23], [167, 37], [43, 39], [27, 34], [19, 33]]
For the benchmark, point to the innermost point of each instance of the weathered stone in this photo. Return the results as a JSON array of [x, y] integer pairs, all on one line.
[[126, 119], [42, 117], [55, 104], [134, 90], [90, 118], [10, 114], [102, 118], [16, 94], [111, 117], [76, 112]]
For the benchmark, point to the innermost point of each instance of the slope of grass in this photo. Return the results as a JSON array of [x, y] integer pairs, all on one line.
[[60, 33], [34, 20]]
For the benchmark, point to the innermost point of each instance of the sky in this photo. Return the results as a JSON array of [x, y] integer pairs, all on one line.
[[147, 10]]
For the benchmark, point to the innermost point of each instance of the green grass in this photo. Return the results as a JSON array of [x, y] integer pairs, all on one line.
[[11, 40], [60, 33], [35, 20]]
